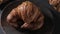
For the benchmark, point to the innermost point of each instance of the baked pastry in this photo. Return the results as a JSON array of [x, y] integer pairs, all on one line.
[[55, 4], [29, 13]]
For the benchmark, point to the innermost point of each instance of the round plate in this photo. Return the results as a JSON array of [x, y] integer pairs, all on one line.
[[47, 28]]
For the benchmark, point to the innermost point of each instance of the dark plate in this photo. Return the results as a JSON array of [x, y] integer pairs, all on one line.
[[47, 28]]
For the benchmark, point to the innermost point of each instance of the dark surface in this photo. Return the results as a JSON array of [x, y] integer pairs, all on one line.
[[5, 3]]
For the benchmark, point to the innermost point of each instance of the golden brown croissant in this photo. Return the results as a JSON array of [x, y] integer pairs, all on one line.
[[29, 13]]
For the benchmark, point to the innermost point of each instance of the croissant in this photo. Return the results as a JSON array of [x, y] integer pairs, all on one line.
[[55, 4], [29, 13]]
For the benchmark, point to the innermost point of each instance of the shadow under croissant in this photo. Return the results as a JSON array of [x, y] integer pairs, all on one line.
[[47, 28]]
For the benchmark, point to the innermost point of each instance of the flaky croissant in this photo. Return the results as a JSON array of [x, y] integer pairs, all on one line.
[[55, 4], [29, 13]]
